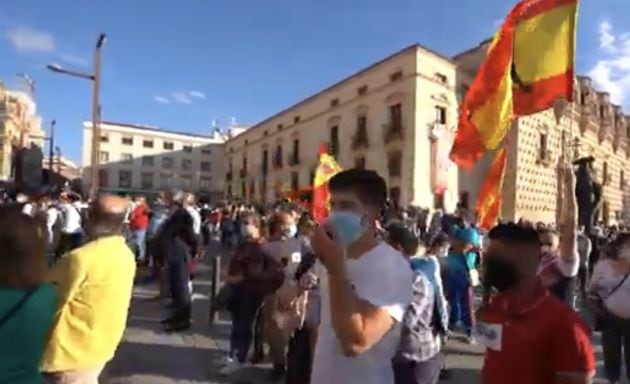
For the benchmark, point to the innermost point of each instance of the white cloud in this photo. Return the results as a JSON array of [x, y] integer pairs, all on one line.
[[612, 72], [197, 95], [181, 98], [31, 40], [161, 99]]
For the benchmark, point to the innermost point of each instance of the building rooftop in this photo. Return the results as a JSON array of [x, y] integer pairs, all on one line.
[[156, 129]]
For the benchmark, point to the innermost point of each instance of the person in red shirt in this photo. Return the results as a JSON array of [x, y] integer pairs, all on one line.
[[531, 337], [138, 224]]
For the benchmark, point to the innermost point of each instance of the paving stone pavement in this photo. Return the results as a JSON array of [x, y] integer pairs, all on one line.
[[147, 355]]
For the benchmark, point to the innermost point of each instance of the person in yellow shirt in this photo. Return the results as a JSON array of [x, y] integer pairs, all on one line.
[[95, 285]]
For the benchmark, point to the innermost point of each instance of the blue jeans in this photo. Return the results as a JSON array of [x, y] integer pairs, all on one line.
[[460, 298], [139, 238]]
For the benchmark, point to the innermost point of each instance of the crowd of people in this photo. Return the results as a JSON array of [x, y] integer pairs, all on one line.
[[370, 295]]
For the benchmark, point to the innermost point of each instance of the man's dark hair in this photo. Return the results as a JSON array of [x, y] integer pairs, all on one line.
[[403, 237], [514, 233], [366, 184], [440, 240]]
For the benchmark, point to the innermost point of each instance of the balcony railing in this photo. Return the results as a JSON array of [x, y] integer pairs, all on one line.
[[228, 176], [360, 140], [392, 132]]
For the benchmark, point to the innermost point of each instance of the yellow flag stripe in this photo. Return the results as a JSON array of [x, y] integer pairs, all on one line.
[[544, 45]]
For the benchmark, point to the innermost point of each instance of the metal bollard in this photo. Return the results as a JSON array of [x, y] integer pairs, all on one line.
[[215, 287]]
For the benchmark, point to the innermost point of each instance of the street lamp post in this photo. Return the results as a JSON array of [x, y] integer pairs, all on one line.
[[95, 77], [51, 155]]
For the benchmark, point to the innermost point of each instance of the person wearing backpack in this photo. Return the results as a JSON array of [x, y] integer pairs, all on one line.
[[27, 301], [419, 359]]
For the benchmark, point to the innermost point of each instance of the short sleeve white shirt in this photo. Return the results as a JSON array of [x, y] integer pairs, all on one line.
[[382, 277]]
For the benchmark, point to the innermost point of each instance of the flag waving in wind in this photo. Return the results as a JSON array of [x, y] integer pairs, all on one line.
[[489, 200], [326, 169], [529, 65]]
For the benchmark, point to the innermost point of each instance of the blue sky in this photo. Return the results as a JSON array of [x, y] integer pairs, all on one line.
[[181, 64]]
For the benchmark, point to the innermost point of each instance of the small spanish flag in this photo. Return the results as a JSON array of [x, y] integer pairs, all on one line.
[[490, 195], [326, 169], [529, 65]]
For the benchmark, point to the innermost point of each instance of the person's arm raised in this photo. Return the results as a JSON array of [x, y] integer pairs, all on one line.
[[357, 323], [568, 236]]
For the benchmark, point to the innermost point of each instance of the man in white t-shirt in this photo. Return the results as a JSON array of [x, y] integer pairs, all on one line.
[[366, 286]]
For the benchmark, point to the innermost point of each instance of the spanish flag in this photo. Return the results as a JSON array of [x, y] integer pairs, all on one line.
[[490, 195], [326, 169], [544, 54], [528, 66]]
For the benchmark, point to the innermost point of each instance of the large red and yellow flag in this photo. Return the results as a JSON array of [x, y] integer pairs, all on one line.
[[544, 54], [490, 196], [326, 169], [528, 66]]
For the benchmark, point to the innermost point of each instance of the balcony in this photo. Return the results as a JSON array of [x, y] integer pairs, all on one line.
[[360, 140], [242, 173], [392, 132], [228, 176]]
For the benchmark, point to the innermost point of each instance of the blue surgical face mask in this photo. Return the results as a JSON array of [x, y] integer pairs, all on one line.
[[347, 226]]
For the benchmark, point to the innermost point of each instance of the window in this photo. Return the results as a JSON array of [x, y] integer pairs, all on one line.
[[124, 179], [440, 115], [186, 181], [246, 141], [205, 166], [605, 175], [543, 147], [394, 196], [394, 164], [204, 183], [167, 162], [103, 178], [168, 145], [126, 157], [295, 181], [166, 180], [441, 78], [296, 119], [279, 127], [266, 133], [103, 156], [265, 162], [362, 90], [622, 180], [277, 158], [395, 76], [146, 180], [104, 138], [360, 138], [186, 164], [148, 161], [127, 140], [395, 116], [206, 151], [359, 163], [295, 156], [334, 102], [187, 148], [147, 143], [334, 140]]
